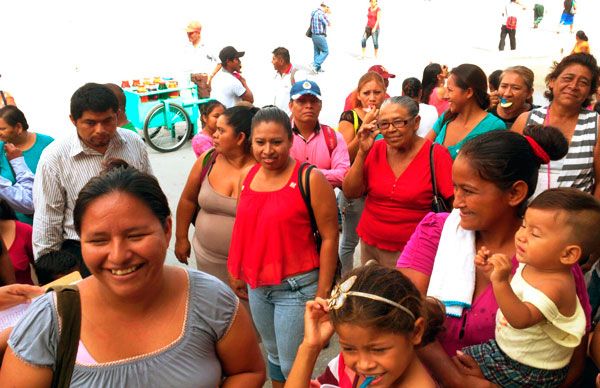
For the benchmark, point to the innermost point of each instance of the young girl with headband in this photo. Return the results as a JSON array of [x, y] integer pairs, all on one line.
[[380, 318]]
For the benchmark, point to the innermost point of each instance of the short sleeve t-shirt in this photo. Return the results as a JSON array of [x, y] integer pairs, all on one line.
[[226, 89]]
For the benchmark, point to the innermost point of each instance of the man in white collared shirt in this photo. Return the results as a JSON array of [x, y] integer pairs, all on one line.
[[283, 79], [68, 164]]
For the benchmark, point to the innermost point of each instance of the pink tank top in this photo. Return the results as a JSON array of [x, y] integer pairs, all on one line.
[[440, 104], [272, 236]]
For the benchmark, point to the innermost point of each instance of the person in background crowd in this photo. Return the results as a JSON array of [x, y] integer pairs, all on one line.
[[209, 114], [568, 14], [318, 28], [381, 320], [493, 85], [283, 78], [7, 272], [54, 265], [69, 163], [411, 87], [372, 29], [351, 99], [284, 268], [370, 94], [581, 43], [395, 177], [200, 64], [19, 195], [433, 82], [6, 98], [188, 318], [570, 86], [509, 27], [216, 194], [314, 142], [122, 120], [17, 238], [493, 176], [228, 85], [514, 95], [466, 117], [14, 131], [538, 13]]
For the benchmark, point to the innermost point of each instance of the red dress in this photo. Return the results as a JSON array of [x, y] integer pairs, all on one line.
[[395, 206], [272, 237], [21, 253]]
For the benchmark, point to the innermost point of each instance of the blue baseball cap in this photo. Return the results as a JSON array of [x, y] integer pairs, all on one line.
[[301, 88]]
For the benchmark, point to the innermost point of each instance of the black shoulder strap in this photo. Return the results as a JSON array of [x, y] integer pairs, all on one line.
[[68, 305], [3, 98], [432, 170], [304, 187]]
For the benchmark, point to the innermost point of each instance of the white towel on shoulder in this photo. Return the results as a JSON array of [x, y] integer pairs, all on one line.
[[453, 277]]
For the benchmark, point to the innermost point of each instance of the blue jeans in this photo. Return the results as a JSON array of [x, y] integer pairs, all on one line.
[[321, 50], [351, 211], [374, 35], [278, 313]]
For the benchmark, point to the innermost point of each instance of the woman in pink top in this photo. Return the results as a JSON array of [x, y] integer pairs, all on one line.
[[394, 174], [434, 81], [273, 248], [17, 237], [493, 176]]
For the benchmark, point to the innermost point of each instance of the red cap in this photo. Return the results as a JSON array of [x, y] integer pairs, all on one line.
[[382, 71]]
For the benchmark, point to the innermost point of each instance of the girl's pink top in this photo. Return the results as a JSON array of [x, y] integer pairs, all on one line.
[[201, 143], [440, 104], [272, 237], [477, 324], [21, 253], [395, 206]]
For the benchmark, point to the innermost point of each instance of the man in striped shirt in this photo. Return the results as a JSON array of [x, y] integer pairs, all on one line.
[[318, 28], [68, 164]]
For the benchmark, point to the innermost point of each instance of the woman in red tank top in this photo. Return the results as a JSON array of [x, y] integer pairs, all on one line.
[[273, 249], [372, 28]]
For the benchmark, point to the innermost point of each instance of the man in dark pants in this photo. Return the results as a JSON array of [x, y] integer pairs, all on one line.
[[510, 26]]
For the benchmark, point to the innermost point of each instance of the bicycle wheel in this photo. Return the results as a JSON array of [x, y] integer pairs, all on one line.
[[167, 131]]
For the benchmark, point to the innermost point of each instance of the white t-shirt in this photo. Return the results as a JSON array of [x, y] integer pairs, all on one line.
[[429, 116], [282, 83], [226, 89]]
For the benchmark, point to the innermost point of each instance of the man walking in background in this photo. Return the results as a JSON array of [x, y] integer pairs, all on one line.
[[318, 28]]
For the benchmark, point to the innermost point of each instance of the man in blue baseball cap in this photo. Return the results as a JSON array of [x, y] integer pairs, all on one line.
[[316, 143]]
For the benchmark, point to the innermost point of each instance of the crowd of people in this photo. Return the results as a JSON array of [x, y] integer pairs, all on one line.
[[477, 214]]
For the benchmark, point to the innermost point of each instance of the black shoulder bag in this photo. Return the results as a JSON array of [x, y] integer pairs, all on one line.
[[438, 204]]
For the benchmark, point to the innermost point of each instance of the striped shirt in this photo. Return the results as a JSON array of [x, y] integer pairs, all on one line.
[[64, 168], [576, 169], [319, 22]]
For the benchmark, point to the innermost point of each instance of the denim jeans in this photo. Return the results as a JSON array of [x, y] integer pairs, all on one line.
[[321, 50], [351, 211], [278, 313], [374, 35]]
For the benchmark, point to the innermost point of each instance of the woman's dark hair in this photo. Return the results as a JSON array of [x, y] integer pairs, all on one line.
[[206, 109], [273, 114], [582, 59], [505, 157], [240, 118], [430, 80], [6, 212], [390, 284], [582, 215], [13, 116], [119, 177], [411, 87], [581, 35], [468, 76], [494, 79]]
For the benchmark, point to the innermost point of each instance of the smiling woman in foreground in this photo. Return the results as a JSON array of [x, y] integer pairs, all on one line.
[[142, 323]]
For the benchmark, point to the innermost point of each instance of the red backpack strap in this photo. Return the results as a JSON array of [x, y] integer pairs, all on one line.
[[330, 138]]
